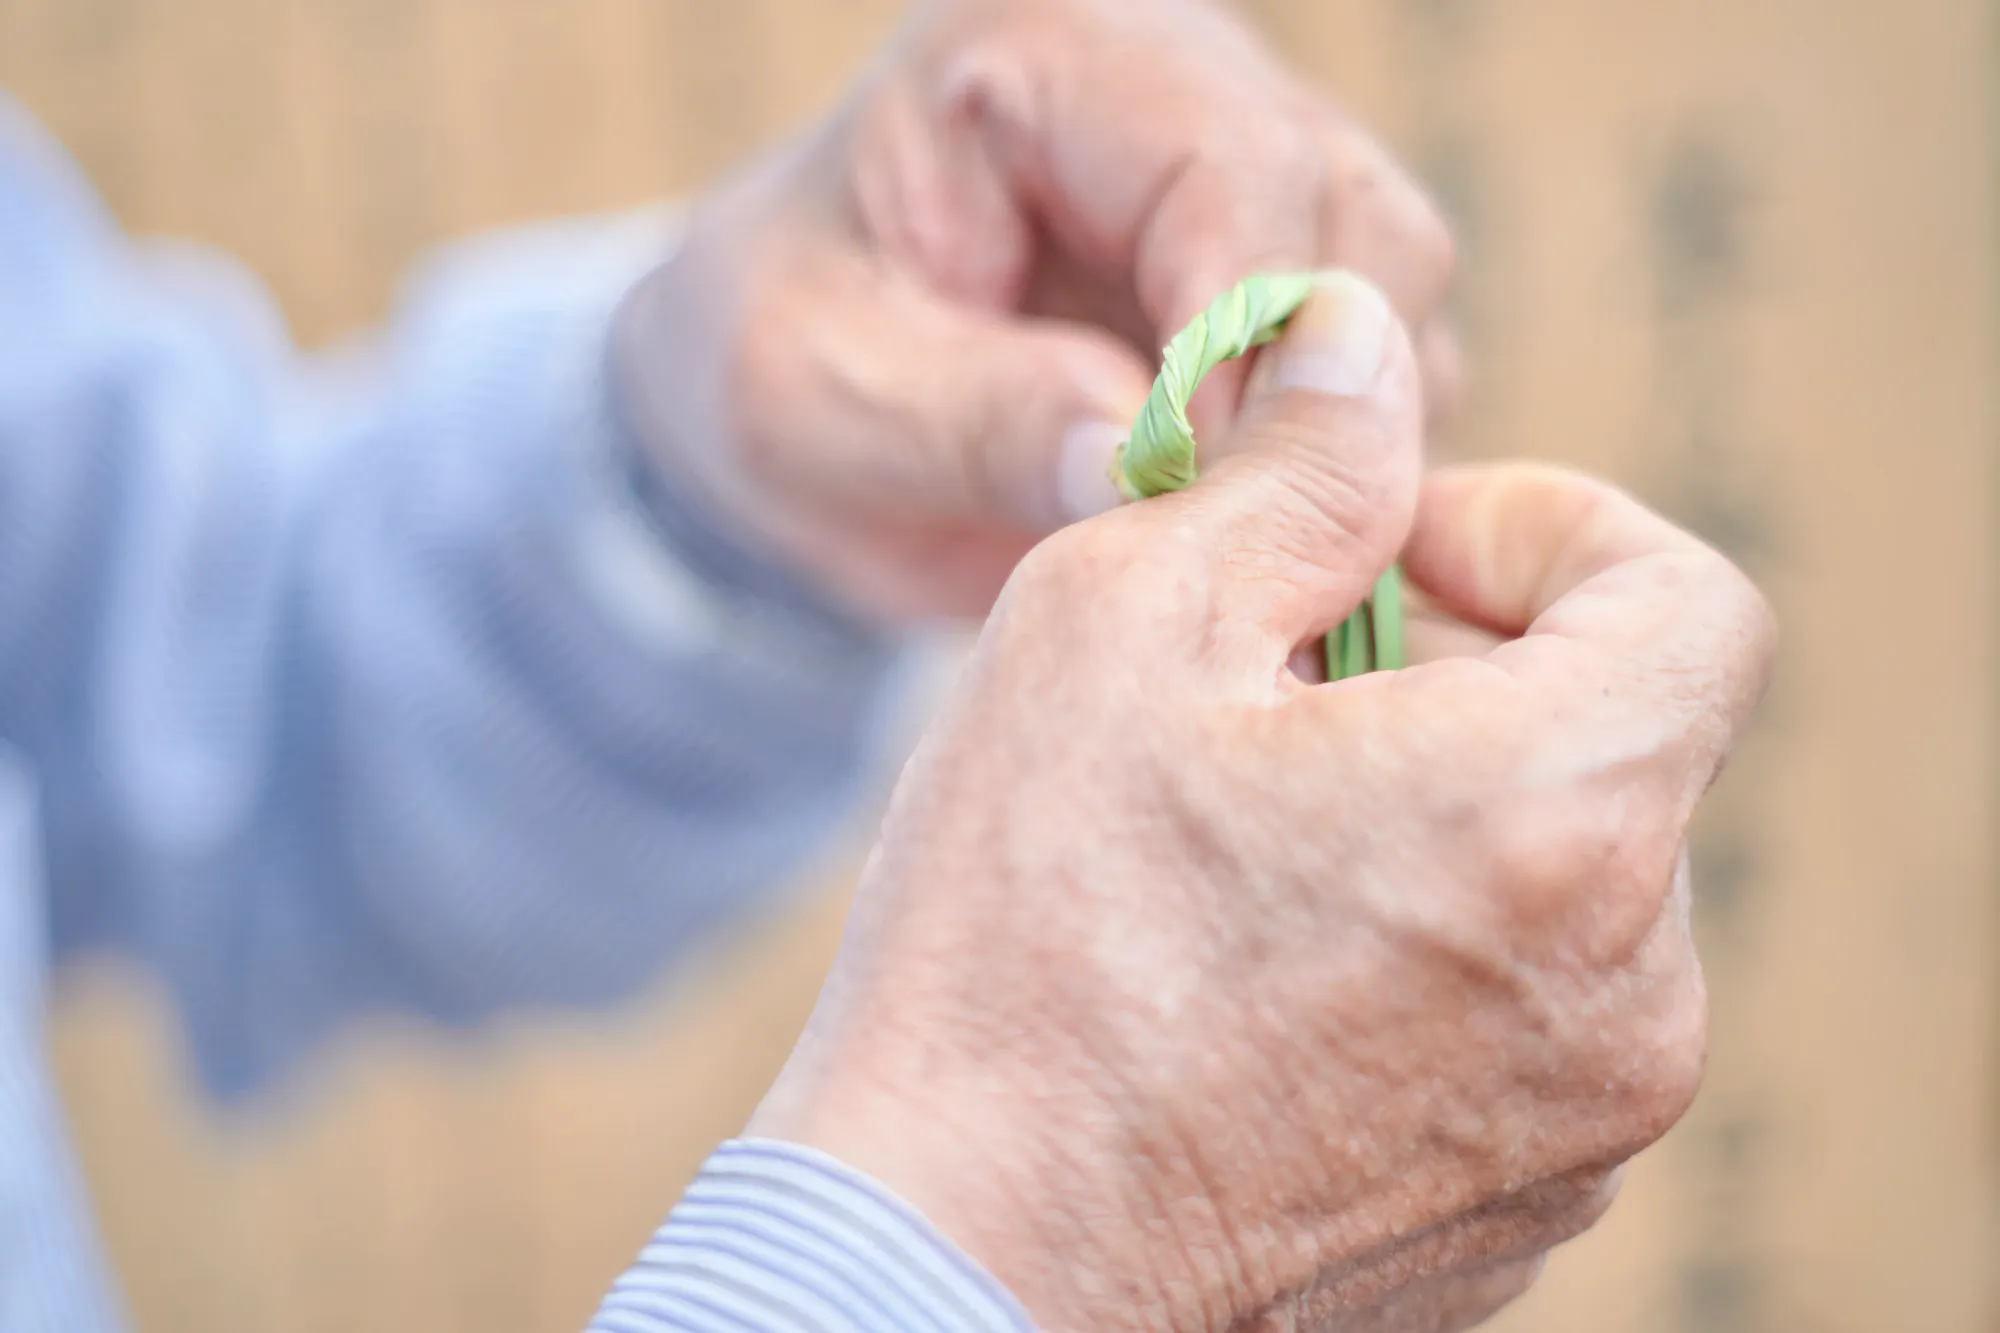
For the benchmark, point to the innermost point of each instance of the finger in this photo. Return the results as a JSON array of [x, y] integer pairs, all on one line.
[[1376, 220], [1431, 635], [1455, 1266], [1161, 144], [1219, 222], [1445, 1303], [1449, 1303], [1316, 493], [1165, 145], [925, 407], [1619, 611], [1441, 358], [1158, 142], [1371, 218]]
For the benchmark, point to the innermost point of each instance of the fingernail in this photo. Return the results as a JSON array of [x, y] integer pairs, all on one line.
[[1338, 341], [1083, 469]]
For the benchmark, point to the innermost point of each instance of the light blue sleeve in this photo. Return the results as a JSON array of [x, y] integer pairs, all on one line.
[[776, 1238], [364, 681]]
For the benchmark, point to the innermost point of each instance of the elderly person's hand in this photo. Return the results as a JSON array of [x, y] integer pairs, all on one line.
[[1187, 995], [900, 350]]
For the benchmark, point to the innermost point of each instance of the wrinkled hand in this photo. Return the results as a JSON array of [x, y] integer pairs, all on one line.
[[899, 351], [1187, 995]]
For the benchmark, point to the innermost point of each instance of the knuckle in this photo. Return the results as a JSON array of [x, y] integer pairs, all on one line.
[[1662, 1087], [1335, 496], [1105, 579], [1642, 852], [1410, 227], [1382, 213], [1756, 624], [1293, 154], [1549, 857], [1040, 603], [1431, 237], [1711, 681], [1065, 561], [1541, 857], [1357, 493], [1586, 877], [1595, 911], [1651, 1073]]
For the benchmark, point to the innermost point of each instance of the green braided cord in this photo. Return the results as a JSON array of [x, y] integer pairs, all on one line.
[[1356, 647], [1159, 455], [1385, 612]]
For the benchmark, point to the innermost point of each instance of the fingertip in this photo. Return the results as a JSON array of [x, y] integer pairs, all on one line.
[[1215, 405], [1095, 389], [1340, 343], [1084, 461], [1345, 357], [1441, 363]]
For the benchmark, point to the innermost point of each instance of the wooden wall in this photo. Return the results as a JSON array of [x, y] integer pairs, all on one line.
[[1737, 253]]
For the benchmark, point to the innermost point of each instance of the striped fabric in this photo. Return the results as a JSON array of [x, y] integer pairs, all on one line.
[[367, 682], [776, 1236]]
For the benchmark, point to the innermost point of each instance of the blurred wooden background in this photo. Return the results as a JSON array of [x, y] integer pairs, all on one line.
[[1738, 253]]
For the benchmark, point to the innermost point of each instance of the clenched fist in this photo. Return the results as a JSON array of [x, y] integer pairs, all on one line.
[[1185, 994]]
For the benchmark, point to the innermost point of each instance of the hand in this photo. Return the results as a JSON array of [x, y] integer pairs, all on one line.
[[1187, 995], [899, 351]]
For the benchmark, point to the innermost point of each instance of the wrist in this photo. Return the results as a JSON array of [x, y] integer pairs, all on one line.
[[1043, 1182]]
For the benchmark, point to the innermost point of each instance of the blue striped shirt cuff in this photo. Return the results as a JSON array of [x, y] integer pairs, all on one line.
[[777, 1236]]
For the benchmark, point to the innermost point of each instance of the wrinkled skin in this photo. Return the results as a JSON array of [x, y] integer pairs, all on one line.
[[1187, 995], [899, 350], [1183, 993]]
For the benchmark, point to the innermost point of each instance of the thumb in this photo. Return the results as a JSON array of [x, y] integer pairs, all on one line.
[[1316, 488]]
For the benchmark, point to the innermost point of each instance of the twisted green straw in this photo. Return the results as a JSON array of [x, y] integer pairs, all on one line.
[[1159, 455]]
